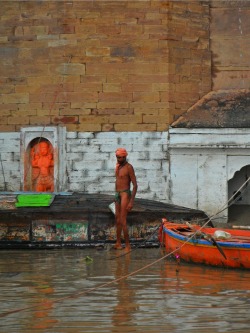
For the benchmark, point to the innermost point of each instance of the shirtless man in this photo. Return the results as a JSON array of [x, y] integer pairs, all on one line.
[[124, 198]]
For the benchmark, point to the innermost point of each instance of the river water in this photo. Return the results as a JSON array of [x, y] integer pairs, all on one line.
[[97, 291]]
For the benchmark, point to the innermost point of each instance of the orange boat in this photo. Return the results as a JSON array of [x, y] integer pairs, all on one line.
[[210, 246]]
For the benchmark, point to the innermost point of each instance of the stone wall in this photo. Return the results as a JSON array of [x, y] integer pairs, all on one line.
[[90, 162], [230, 40], [101, 66], [189, 54]]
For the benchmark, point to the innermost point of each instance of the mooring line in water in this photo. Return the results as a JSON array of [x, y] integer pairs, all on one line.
[[47, 304]]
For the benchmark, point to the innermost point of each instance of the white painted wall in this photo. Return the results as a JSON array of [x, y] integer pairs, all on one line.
[[10, 177], [195, 168], [90, 162], [202, 161], [184, 179]]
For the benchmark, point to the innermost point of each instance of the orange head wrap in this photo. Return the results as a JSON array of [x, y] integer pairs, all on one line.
[[121, 152]]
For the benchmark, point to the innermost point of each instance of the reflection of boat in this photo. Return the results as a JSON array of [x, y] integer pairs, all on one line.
[[209, 246]]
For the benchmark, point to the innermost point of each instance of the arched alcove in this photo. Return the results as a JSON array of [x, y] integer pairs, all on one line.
[[239, 196], [54, 138]]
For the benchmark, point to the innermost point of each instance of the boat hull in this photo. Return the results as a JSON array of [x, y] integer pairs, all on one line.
[[179, 241]]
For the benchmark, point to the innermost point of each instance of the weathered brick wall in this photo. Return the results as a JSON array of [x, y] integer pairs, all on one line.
[[102, 65], [230, 44], [189, 54], [90, 159]]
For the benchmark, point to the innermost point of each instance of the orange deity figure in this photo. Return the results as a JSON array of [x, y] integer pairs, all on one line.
[[43, 167]]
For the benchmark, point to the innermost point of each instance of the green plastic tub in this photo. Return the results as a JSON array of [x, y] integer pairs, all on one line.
[[34, 200]]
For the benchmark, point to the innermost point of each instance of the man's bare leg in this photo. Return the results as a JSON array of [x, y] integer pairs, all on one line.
[[126, 237], [118, 244], [123, 218]]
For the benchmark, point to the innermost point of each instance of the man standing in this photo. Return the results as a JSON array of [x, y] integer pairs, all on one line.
[[124, 198]]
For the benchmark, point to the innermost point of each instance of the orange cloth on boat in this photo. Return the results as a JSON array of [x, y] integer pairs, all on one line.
[[120, 152]]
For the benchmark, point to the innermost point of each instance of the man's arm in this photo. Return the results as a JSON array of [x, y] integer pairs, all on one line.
[[135, 186]]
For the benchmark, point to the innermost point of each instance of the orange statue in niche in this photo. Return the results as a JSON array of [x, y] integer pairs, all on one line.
[[42, 163]]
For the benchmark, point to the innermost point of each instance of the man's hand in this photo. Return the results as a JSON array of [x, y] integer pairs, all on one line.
[[130, 206]]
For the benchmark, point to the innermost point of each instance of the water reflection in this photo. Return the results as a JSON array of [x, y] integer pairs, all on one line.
[[43, 292], [60, 292], [125, 305]]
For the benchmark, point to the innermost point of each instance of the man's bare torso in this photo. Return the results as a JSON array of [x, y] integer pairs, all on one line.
[[123, 178]]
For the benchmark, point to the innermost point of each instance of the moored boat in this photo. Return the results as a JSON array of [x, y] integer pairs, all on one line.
[[206, 245], [33, 220]]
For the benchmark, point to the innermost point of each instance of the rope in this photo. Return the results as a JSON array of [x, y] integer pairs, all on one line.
[[230, 199], [59, 300], [4, 181]]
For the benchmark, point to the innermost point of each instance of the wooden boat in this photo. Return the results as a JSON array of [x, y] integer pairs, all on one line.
[[210, 246], [55, 220]]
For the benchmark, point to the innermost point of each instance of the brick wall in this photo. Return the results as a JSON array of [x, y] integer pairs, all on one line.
[[189, 54], [100, 66], [230, 40]]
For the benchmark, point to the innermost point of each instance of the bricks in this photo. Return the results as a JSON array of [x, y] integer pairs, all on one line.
[[7, 128], [125, 119], [39, 120], [115, 97], [85, 127], [113, 105], [65, 120], [107, 127], [69, 69], [98, 51], [146, 97], [136, 127], [17, 98]]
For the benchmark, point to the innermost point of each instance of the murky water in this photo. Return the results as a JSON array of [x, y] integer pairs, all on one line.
[[63, 291]]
